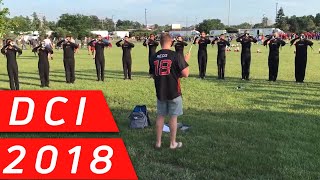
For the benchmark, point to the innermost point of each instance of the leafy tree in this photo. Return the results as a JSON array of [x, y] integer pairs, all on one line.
[[210, 24], [244, 25], [36, 22], [281, 20], [60, 33], [317, 19], [19, 24], [293, 24], [3, 19]]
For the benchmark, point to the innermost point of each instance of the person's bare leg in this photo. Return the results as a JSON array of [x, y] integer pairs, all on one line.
[[159, 129], [173, 131]]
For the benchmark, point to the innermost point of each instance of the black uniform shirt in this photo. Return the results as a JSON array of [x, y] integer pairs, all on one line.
[[302, 47], [246, 43], [43, 53], [11, 53], [68, 49], [99, 47], [222, 44], [126, 47], [166, 67], [203, 43], [179, 46], [152, 46], [274, 45]]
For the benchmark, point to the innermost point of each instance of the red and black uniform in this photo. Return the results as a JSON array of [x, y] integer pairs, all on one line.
[[68, 59], [221, 58], [126, 57], [166, 67], [301, 58], [152, 49], [100, 59], [43, 64], [273, 60], [12, 66], [202, 56], [179, 46], [246, 54]]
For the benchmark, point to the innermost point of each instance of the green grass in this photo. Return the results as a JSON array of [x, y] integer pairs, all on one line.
[[266, 130]]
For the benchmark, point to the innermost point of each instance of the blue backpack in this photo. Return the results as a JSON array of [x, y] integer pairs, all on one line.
[[139, 118]]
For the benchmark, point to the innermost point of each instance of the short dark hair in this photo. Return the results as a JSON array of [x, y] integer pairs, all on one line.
[[165, 37], [8, 41], [68, 36], [98, 35], [126, 36]]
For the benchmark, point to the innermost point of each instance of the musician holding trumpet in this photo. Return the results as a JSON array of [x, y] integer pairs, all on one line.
[[126, 56], [221, 58], [246, 41], [274, 43], [44, 51], [152, 44], [10, 50]]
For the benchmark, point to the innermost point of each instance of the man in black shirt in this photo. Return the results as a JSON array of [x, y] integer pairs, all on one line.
[[246, 41], [274, 43], [69, 49], [152, 44], [202, 54], [43, 63], [221, 59], [10, 51], [126, 56], [301, 57], [179, 45], [167, 68], [99, 46]]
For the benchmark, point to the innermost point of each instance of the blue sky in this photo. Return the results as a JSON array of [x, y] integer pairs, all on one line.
[[165, 11]]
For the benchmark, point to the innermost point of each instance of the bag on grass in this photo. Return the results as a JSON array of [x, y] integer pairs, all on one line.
[[139, 118]]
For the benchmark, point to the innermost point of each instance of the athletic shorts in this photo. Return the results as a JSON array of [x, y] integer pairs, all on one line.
[[170, 107]]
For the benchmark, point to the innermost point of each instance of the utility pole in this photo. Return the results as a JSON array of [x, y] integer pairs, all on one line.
[[102, 24], [276, 10], [196, 23], [145, 17], [229, 13], [115, 24]]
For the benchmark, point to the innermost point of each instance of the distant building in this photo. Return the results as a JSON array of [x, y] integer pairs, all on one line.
[[184, 33]]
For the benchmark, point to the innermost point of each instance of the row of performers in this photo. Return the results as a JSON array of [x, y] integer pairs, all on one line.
[[274, 43], [10, 51]]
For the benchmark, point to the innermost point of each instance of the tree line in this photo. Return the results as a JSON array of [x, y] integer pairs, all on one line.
[[80, 25]]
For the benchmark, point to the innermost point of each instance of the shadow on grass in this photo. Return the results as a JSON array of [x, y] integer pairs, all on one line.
[[248, 144]]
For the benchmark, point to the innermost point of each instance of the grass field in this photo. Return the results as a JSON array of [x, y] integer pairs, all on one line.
[[265, 130]]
